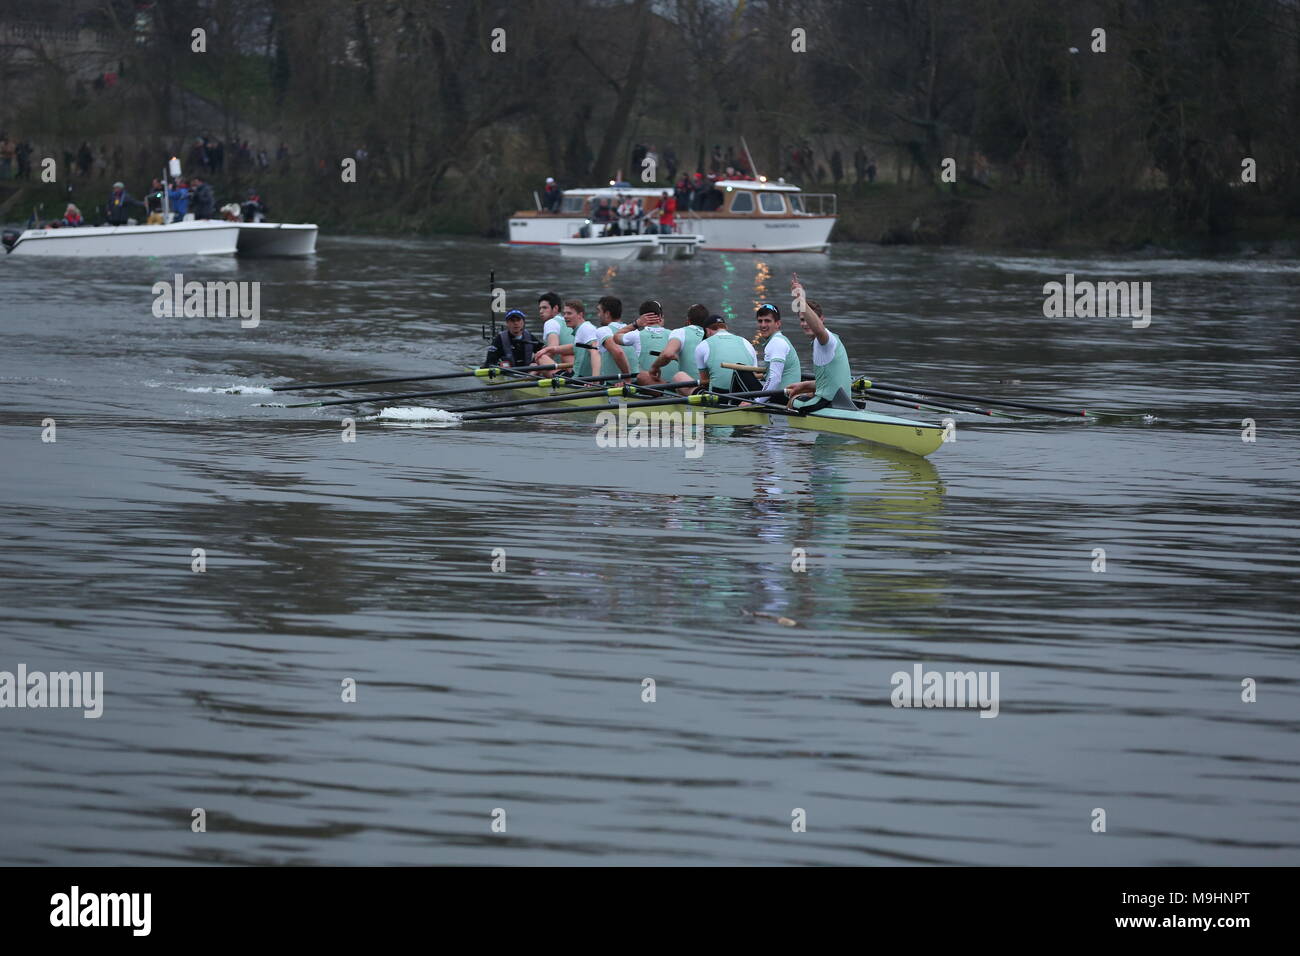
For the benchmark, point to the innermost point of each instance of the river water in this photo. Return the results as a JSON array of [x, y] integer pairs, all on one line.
[[521, 691]]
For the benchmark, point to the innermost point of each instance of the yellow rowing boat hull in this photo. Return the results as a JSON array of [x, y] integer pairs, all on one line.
[[918, 438]]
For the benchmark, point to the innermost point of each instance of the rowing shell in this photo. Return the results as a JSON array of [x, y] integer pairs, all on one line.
[[917, 437]]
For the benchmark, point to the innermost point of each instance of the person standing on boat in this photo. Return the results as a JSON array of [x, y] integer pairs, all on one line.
[[554, 332], [551, 195], [179, 197], [779, 355], [833, 382], [582, 344], [514, 346], [115, 210], [680, 351], [627, 216], [667, 213], [647, 335], [205, 204], [612, 356], [721, 346]]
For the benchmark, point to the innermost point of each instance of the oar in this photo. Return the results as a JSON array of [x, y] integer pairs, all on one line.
[[897, 398], [614, 392], [489, 372], [697, 399], [506, 386], [916, 390]]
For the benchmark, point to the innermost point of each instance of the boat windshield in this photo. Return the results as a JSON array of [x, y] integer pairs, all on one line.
[[572, 204], [796, 205]]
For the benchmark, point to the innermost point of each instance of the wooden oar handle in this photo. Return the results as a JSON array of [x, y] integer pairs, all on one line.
[[743, 368]]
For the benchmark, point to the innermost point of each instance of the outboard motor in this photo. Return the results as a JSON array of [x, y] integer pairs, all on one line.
[[9, 237]]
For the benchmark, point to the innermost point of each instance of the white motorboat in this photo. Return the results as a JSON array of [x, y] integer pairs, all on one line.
[[209, 237], [276, 238], [631, 247], [751, 215], [203, 237]]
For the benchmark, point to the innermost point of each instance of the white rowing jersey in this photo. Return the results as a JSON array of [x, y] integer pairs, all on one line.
[[782, 364], [556, 325]]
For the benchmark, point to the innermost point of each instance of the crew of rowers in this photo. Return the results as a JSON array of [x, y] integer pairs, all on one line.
[[703, 351]]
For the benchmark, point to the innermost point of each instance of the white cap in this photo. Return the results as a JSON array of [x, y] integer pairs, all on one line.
[[549, 179]]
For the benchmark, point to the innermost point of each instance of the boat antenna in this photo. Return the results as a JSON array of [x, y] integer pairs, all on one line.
[[492, 284], [753, 170]]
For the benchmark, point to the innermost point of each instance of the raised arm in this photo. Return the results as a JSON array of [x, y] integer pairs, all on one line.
[[814, 320]]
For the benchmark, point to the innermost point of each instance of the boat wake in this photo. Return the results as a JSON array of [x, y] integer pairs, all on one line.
[[214, 389], [232, 390], [424, 417]]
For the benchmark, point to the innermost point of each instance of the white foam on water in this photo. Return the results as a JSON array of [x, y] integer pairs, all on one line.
[[414, 415], [233, 390]]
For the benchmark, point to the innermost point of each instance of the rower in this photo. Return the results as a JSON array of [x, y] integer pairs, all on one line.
[[681, 347], [647, 335], [611, 356], [554, 331], [514, 346], [721, 346], [779, 355], [582, 333], [833, 382]]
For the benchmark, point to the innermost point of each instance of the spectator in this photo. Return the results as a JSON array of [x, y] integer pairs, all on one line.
[[204, 202], [700, 193], [153, 201], [72, 216], [115, 210], [282, 154], [24, 153], [253, 208], [871, 170], [216, 156], [715, 161], [263, 161], [670, 163], [837, 167], [198, 158], [8, 151], [667, 213], [551, 196], [682, 192], [638, 155], [179, 198], [603, 215], [85, 159]]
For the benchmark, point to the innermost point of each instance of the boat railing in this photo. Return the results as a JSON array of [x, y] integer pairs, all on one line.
[[814, 204]]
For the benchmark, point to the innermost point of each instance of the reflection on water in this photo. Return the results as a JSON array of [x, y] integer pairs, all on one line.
[[374, 560]]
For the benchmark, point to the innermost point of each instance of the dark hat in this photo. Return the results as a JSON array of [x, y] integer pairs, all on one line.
[[515, 314], [714, 320]]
